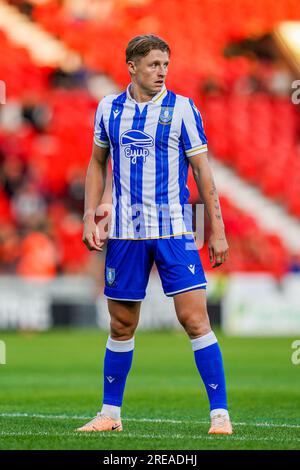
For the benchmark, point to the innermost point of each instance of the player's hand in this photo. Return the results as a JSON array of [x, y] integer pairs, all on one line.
[[91, 236], [218, 249]]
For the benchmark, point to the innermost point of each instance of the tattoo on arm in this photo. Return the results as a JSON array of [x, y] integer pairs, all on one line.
[[213, 192]]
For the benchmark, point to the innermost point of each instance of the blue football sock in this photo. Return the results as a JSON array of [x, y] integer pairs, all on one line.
[[209, 362], [117, 364]]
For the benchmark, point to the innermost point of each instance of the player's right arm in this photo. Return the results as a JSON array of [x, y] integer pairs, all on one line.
[[95, 180], [94, 189]]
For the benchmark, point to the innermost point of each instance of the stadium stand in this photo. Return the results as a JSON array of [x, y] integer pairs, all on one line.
[[246, 132], [207, 36], [18, 72], [258, 136], [45, 156]]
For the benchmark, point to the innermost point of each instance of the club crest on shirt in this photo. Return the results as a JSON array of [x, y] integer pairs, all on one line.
[[136, 144], [110, 275], [166, 114]]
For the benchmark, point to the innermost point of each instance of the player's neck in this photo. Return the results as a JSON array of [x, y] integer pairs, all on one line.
[[139, 95]]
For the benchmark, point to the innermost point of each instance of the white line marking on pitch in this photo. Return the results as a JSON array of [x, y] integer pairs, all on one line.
[[141, 436], [145, 420]]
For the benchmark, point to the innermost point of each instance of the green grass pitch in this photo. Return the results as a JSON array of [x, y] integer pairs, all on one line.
[[52, 383]]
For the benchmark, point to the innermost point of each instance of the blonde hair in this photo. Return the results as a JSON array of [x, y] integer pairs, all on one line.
[[140, 46]]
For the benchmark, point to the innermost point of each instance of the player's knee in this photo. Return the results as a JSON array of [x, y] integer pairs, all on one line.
[[196, 325], [196, 330], [122, 330]]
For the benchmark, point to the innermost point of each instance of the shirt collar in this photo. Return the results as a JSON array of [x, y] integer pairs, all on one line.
[[156, 99]]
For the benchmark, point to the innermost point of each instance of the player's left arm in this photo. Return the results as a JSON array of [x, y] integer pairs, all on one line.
[[217, 245]]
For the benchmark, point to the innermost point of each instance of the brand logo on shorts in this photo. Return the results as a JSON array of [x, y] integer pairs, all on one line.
[[136, 144], [191, 267], [166, 115], [110, 275]]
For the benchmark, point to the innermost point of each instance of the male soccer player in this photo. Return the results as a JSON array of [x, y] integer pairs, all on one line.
[[153, 135]]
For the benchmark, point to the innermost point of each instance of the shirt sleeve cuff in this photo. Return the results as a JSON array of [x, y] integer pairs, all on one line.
[[101, 143], [195, 150]]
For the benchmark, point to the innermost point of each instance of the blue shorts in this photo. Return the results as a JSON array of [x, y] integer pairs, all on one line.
[[129, 262]]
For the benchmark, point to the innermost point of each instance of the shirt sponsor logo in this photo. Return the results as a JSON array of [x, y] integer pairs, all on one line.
[[136, 143]]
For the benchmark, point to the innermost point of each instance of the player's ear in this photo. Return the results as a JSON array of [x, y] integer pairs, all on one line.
[[131, 67]]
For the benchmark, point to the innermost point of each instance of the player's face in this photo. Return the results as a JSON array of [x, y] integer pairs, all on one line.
[[150, 72]]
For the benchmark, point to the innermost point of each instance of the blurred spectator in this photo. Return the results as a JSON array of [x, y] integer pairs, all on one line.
[[280, 80], [13, 173], [36, 112], [74, 254], [75, 190], [69, 79], [83, 10], [38, 256], [29, 206], [9, 248], [24, 6], [5, 207], [11, 117]]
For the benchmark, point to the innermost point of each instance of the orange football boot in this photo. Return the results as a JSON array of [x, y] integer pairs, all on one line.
[[102, 423], [220, 424]]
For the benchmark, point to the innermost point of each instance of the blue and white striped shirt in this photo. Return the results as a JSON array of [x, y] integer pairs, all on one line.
[[150, 144]]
